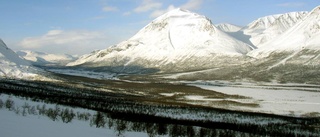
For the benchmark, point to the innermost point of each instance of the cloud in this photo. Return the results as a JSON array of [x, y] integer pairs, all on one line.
[[109, 8], [147, 5], [192, 4], [291, 4], [60, 41]]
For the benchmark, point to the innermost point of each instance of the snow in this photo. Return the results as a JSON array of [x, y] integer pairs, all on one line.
[[13, 125], [177, 75], [173, 37], [267, 28], [12, 66], [41, 58], [204, 98], [226, 27], [275, 101], [168, 94], [305, 34], [180, 37], [10, 55], [29, 125]]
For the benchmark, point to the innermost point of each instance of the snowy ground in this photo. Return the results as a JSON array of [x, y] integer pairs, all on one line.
[[15, 125], [283, 100], [177, 75]]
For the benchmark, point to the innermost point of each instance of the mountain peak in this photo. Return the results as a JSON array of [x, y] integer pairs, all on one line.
[[178, 36], [302, 35], [179, 10], [178, 13], [266, 28], [176, 20], [316, 10]]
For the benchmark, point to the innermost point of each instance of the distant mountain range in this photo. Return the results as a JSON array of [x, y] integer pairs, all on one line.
[[226, 27], [283, 47], [45, 59]]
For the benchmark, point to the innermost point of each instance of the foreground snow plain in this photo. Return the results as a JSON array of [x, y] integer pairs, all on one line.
[[15, 125], [282, 99], [32, 126]]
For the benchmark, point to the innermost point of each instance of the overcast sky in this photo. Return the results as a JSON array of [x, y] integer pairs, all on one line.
[[81, 26]]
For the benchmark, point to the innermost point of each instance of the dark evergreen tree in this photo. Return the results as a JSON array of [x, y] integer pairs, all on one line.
[[1, 103], [9, 104]]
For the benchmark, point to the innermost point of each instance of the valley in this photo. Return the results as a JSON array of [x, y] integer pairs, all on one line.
[[180, 75], [189, 107]]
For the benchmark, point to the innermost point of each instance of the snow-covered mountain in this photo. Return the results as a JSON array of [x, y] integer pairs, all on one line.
[[12, 66], [226, 27], [304, 35], [179, 40], [266, 28], [45, 59], [283, 47]]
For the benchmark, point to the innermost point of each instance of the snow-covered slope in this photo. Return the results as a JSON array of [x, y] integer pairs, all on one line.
[[12, 66], [178, 37], [226, 27], [45, 59], [266, 28], [304, 35]]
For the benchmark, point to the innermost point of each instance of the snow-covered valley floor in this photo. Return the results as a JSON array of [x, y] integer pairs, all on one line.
[[16, 124], [283, 99], [130, 118]]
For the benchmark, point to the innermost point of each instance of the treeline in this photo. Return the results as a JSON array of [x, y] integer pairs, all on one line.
[[106, 120], [128, 108]]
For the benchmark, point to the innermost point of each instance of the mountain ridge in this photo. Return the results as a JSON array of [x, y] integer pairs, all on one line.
[[176, 37], [302, 35], [45, 59], [227, 27], [13, 66], [266, 28]]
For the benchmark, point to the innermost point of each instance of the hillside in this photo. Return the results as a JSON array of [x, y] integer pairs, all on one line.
[[12, 66], [176, 41], [266, 28]]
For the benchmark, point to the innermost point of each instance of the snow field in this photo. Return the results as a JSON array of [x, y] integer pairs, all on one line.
[[281, 101]]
